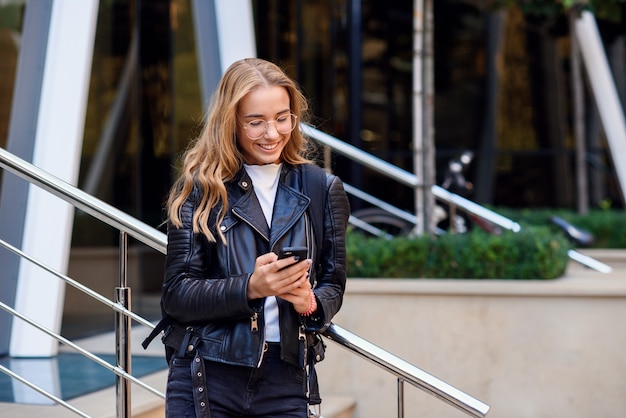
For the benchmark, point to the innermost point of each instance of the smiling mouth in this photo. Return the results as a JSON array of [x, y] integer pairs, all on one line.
[[269, 147]]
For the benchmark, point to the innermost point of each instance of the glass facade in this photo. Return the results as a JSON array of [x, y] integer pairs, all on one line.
[[502, 89], [144, 107]]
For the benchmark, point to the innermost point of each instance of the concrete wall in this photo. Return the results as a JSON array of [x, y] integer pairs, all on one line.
[[527, 348]]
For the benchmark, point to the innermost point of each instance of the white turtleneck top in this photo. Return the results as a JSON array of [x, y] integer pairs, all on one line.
[[265, 182]]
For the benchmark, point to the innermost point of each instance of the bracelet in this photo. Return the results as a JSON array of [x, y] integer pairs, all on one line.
[[312, 306]]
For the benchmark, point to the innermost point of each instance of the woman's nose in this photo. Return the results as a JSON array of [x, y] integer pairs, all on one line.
[[271, 131]]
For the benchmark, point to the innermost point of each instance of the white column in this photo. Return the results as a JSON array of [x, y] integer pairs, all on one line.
[[235, 30], [58, 146], [605, 93]]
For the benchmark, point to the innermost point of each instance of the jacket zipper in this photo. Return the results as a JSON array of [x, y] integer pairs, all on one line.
[[302, 340], [254, 327], [254, 322], [254, 319]]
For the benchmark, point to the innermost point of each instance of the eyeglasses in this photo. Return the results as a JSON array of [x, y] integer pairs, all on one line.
[[258, 127]]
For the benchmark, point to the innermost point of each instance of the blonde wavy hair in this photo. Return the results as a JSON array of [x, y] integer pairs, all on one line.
[[215, 158]]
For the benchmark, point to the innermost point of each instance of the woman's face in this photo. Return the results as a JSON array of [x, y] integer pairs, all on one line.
[[263, 104]]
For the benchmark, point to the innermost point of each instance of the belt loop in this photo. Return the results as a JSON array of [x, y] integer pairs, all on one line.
[[185, 342]]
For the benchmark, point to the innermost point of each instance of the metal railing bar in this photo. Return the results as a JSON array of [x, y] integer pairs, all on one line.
[[590, 262], [43, 392], [409, 217], [353, 220], [510, 225], [406, 178], [115, 306], [157, 240], [92, 357], [474, 208], [411, 180], [407, 372], [83, 201], [368, 160]]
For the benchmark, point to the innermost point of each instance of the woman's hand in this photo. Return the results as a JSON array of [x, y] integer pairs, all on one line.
[[286, 278], [301, 296]]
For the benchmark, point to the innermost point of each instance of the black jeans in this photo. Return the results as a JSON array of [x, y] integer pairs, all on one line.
[[275, 389]]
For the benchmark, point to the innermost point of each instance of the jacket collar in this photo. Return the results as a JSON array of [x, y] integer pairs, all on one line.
[[289, 205]]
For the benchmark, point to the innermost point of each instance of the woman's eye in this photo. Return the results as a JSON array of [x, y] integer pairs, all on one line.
[[255, 122]]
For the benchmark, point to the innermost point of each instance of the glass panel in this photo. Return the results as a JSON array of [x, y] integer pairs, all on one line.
[[144, 105]]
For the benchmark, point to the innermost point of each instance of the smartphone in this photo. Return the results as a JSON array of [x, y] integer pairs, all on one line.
[[300, 252]]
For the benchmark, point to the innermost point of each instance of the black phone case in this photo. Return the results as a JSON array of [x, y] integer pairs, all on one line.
[[287, 252]]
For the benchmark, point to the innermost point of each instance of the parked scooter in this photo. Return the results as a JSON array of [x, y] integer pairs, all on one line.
[[446, 217]]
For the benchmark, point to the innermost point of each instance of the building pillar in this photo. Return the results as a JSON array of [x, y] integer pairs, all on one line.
[[47, 220]]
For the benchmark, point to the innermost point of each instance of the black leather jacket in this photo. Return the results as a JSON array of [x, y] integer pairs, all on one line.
[[205, 283]]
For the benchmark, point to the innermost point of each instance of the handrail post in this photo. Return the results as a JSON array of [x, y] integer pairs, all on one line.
[[452, 218], [400, 398], [122, 331]]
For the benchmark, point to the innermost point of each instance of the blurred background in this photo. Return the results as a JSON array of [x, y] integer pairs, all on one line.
[[503, 80]]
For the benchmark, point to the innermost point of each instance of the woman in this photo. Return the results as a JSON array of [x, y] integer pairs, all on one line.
[[237, 311]]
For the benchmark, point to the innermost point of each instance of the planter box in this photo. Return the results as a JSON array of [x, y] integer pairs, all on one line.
[[527, 348]]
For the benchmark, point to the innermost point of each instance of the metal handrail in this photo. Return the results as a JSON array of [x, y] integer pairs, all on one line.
[[45, 393], [83, 201], [117, 370], [122, 314], [127, 225], [355, 154], [97, 296], [406, 372], [157, 240], [406, 178], [411, 180]]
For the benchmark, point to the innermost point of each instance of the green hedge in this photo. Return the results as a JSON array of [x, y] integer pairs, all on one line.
[[607, 226], [534, 253]]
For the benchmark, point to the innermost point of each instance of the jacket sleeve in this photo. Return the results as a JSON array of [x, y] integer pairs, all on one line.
[[331, 281], [188, 294]]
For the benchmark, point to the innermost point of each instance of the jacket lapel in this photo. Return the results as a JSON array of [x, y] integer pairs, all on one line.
[[289, 207], [248, 208]]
